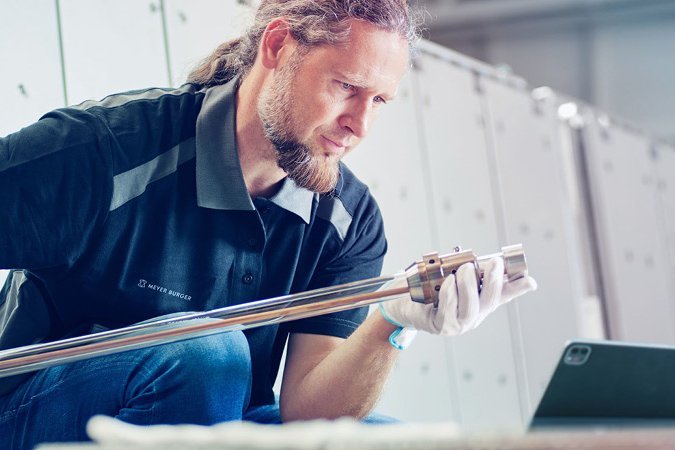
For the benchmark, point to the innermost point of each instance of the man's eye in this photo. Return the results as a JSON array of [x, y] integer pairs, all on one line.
[[347, 86], [379, 100]]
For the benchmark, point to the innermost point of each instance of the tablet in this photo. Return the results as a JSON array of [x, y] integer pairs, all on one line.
[[609, 383]]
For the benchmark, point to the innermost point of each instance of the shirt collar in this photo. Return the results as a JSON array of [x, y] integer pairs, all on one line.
[[295, 199], [220, 181]]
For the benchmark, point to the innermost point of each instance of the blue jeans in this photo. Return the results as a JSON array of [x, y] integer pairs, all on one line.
[[200, 381]]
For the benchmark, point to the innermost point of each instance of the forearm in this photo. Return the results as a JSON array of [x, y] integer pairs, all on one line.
[[349, 380]]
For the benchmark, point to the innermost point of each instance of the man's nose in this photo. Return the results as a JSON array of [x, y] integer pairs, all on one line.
[[357, 120]]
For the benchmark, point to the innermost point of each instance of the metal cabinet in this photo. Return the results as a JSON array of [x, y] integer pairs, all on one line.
[[665, 158], [390, 162], [534, 210], [196, 28], [453, 119], [110, 47], [623, 185], [30, 80]]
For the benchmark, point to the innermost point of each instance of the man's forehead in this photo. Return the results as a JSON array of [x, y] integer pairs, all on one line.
[[371, 56]]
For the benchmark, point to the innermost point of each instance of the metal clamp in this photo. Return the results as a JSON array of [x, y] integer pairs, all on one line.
[[425, 277]]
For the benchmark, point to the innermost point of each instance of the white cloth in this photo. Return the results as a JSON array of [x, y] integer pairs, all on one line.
[[343, 434]]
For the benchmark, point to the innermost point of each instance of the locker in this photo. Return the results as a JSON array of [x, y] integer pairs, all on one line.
[[196, 28], [30, 82], [389, 161], [665, 163], [623, 185], [420, 388], [111, 47], [454, 133], [535, 211]]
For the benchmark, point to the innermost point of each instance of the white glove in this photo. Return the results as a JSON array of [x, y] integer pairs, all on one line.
[[460, 307]]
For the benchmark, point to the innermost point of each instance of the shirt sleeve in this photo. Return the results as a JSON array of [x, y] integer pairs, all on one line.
[[361, 257], [55, 189]]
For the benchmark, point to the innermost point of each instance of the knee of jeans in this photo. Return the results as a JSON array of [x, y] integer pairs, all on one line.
[[222, 353]]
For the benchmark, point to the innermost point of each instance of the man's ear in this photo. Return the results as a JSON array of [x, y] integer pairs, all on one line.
[[275, 38]]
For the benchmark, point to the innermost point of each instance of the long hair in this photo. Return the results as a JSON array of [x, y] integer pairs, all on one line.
[[311, 23]]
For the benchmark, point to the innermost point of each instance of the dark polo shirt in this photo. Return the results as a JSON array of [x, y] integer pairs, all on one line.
[[135, 207]]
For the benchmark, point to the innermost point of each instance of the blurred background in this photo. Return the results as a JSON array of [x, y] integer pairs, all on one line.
[[615, 54], [546, 122]]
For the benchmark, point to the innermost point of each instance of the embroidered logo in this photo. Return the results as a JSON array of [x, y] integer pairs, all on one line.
[[144, 284]]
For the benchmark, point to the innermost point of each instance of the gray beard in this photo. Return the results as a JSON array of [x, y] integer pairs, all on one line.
[[298, 161], [315, 173]]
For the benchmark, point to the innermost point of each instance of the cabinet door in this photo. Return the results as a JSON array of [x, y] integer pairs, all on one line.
[[112, 46], [623, 182], [666, 186], [196, 28], [30, 79], [482, 361], [390, 162], [535, 212]]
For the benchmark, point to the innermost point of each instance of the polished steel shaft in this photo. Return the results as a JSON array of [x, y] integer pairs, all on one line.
[[254, 314]]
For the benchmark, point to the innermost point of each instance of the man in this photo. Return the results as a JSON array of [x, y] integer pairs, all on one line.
[[226, 190]]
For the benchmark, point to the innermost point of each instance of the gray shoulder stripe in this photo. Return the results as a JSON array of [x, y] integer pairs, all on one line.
[[10, 304], [333, 210], [115, 100], [132, 183]]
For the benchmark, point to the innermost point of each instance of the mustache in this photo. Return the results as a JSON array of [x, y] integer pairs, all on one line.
[[341, 137]]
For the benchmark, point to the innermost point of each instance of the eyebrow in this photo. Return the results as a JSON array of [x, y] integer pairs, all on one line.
[[361, 83], [352, 78]]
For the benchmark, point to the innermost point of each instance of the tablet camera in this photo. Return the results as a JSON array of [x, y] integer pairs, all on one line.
[[577, 355]]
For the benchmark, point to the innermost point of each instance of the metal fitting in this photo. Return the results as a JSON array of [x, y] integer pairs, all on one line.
[[426, 276]]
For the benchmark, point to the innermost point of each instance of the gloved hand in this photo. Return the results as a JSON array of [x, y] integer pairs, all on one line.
[[461, 307]]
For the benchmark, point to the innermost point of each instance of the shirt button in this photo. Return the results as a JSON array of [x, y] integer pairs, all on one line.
[[264, 209], [252, 242], [247, 279]]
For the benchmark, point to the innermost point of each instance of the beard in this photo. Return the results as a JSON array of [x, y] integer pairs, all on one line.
[[309, 169]]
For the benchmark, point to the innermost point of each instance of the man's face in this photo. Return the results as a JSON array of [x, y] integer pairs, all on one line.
[[322, 102]]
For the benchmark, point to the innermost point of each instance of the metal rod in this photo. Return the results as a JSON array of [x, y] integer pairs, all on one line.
[[420, 282], [238, 317]]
